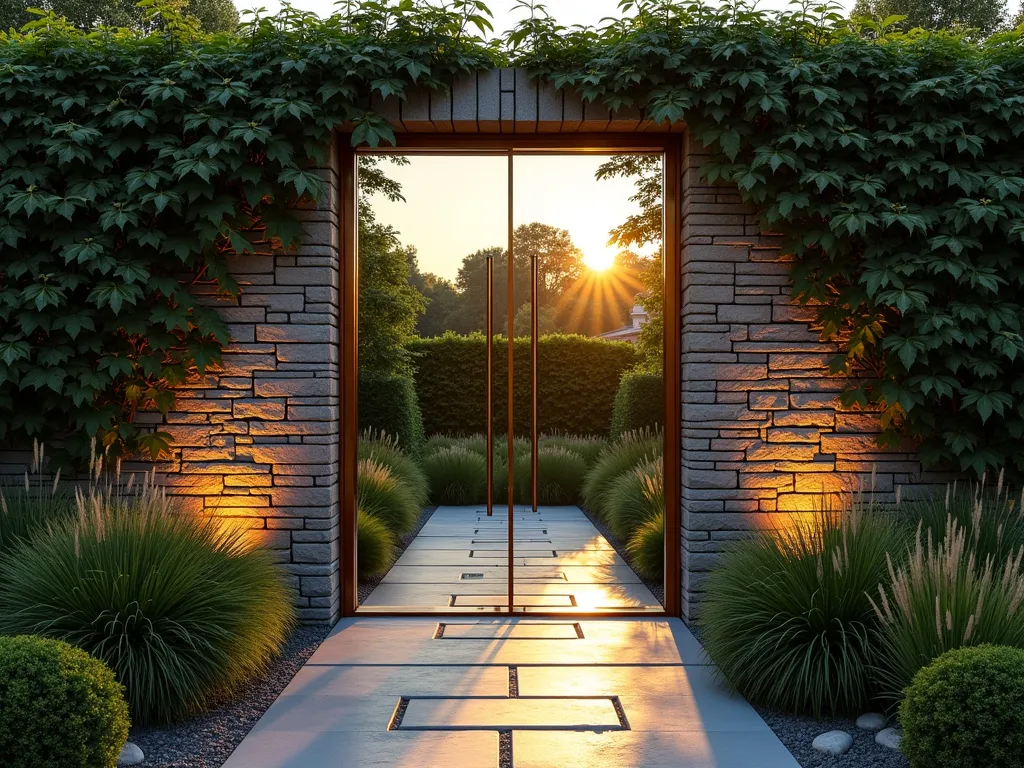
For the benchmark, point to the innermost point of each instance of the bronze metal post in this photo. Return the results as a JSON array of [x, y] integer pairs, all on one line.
[[490, 386], [511, 399]]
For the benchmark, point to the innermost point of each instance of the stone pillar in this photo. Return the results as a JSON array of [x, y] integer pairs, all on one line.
[[256, 441], [763, 431]]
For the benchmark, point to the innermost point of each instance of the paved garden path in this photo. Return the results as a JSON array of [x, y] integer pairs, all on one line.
[[460, 560], [509, 693]]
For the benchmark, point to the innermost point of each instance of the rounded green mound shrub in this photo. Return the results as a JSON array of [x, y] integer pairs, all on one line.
[[632, 450], [941, 597], [436, 442], [646, 547], [966, 710], [384, 449], [787, 617], [639, 402], [59, 706], [375, 545], [456, 476], [183, 611], [381, 492], [635, 497]]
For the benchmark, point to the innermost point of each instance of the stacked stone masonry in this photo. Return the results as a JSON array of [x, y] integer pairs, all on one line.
[[764, 435], [256, 443]]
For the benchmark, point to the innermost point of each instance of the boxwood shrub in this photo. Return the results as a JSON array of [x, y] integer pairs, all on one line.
[[579, 377], [966, 709], [59, 706], [639, 402], [388, 403]]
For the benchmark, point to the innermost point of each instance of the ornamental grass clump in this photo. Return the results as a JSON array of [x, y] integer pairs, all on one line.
[[632, 450], [182, 610], [384, 449], [992, 520], [456, 476], [375, 545], [787, 617], [646, 547], [944, 597], [59, 707], [382, 493], [636, 496], [29, 506], [560, 474]]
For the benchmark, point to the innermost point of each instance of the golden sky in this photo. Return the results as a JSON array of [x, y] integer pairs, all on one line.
[[456, 205]]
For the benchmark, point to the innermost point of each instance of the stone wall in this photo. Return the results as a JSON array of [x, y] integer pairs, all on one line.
[[256, 441], [763, 431]]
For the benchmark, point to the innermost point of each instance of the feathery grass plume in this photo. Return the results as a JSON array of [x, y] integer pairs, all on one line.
[[943, 597], [635, 497], [992, 519], [381, 492], [184, 611], [632, 450], [385, 449], [646, 547], [31, 504], [375, 545], [787, 616], [456, 476]]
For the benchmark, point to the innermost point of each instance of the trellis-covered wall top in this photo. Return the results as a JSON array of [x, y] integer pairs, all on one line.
[[891, 163]]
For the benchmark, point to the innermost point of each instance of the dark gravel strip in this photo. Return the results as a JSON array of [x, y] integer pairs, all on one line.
[[513, 682], [657, 587], [208, 740], [366, 587], [797, 733], [504, 749]]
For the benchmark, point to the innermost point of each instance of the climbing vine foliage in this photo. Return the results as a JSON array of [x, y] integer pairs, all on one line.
[[134, 168], [894, 166]]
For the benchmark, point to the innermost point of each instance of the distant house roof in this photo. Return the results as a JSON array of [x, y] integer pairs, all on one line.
[[631, 333]]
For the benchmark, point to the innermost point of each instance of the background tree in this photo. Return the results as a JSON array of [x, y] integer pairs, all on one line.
[[644, 228], [212, 15], [985, 15], [545, 321], [440, 294]]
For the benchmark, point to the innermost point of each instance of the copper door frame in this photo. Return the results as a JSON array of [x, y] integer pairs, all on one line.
[[670, 146]]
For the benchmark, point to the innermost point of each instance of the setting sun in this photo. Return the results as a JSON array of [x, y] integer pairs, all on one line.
[[599, 260]]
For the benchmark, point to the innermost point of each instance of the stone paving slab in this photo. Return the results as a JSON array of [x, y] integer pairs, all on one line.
[[573, 595], [344, 709], [390, 641], [456, 558], [545, 714], [575, 574], [632, 749], [366, 749]]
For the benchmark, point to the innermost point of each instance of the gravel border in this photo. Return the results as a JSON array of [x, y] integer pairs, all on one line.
[[657, 587], [366, 587], [208, 740], [797, 733]]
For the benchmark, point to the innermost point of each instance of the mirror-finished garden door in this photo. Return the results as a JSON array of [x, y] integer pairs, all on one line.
[[510, 381]]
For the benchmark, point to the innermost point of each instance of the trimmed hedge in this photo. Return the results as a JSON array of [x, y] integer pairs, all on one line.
[[59, 706], [639, 402], [579, 378], [966, 709], [388, 403]]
